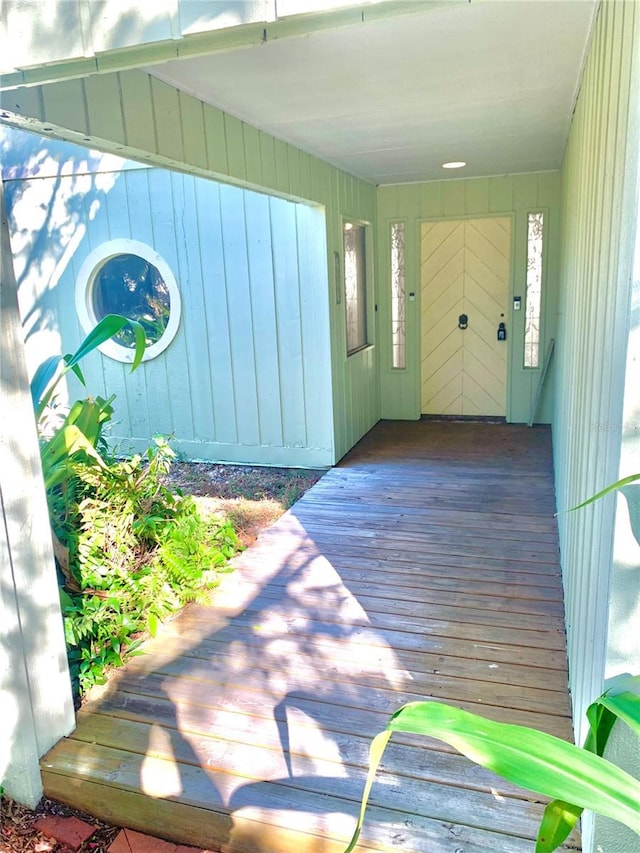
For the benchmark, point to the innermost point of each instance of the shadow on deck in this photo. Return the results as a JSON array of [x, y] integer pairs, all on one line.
[[424, 565]]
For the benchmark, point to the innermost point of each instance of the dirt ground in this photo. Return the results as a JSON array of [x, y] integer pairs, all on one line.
[[253, 498]]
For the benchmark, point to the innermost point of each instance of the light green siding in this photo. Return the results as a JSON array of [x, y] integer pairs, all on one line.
[[598, 227], [513, 195], [156, 124]]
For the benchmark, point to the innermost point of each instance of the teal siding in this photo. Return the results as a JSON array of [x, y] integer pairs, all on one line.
[[248, 376], [159, 126], [513, 195]]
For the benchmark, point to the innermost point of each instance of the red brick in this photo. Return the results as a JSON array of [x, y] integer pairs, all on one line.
[[129, 841], [69, 831]]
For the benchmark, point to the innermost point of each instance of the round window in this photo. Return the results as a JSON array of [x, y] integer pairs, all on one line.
[[131, 279]]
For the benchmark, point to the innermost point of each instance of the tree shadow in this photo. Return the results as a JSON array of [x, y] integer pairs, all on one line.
[[50, 187], [250, 693]]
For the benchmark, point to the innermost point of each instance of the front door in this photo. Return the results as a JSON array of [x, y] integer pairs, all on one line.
[[465, 290]]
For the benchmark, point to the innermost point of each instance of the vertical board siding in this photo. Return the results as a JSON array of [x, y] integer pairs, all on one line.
[[412, 203], [265, 319], [285, 266], [137, 110], [224, 428], [158, 125], [248, 375], [150, 381], [197, 354], [172, 408], [243, 357], [195, 141], [598, 199], [168, 123], [316, 352]]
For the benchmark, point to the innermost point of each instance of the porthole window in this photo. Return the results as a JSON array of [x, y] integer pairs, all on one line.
[[129, 278]]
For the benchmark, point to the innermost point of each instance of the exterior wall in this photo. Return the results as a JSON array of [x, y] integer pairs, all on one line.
[[623, 637], [135, 115], [36, 707], [514, 195], [248, 376], [598, 226]]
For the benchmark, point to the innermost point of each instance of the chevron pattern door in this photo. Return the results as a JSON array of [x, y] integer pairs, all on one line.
[[465, 268]]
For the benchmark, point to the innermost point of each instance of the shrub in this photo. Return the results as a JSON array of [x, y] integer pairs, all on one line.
[[130, 551]]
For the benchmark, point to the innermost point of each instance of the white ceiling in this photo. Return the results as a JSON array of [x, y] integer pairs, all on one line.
[[492, 82]]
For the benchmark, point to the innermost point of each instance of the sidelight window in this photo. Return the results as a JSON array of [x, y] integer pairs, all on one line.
[[355, 286], [398, 307], [533, 300]]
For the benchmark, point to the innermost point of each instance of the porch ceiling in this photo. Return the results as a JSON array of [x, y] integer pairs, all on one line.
[[491, 82]]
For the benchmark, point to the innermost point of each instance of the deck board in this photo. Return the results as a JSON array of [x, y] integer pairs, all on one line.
[[424, 565]]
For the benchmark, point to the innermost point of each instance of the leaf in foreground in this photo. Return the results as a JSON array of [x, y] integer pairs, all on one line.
[[529, 758]]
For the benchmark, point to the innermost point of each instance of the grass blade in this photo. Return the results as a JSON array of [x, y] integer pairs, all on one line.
[[376, 750], [632, 478]]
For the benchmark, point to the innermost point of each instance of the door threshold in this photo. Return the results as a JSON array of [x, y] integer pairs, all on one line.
[[469, 419]]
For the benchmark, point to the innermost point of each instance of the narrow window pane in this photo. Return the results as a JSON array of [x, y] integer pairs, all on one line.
[[533, 299], [398, 316], [355, 286]]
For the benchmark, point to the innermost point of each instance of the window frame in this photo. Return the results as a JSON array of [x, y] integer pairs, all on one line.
[[363, 284], [84, 297]]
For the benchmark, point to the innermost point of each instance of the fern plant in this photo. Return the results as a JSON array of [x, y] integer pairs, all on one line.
[[129, 550], [137, 552]]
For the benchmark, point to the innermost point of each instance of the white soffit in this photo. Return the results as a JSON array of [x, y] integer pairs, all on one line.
[[491, 82]]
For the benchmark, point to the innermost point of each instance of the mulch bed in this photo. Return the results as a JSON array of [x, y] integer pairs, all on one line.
[[18, 833]]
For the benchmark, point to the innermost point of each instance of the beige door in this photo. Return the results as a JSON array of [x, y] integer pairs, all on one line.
[[464, 270]]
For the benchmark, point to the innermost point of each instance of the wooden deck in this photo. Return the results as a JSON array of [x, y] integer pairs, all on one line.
[[424, 565]]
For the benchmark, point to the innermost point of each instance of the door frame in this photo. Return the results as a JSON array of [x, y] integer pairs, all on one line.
[[509, 214]]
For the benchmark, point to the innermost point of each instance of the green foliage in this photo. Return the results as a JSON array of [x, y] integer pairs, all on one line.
[[137, 552], [577, 778], [129, 550], [79, 437], [49, 373]]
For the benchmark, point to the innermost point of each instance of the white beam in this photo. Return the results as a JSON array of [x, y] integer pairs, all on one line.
[[47, 41], [36, 706]]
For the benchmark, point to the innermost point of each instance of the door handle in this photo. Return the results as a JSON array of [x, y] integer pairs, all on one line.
[[463, 321]]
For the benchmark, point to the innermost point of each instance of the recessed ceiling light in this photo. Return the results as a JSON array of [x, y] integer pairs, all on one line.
[[454, 164]]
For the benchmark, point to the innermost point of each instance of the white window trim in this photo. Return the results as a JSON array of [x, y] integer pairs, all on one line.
[[90, 268]]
